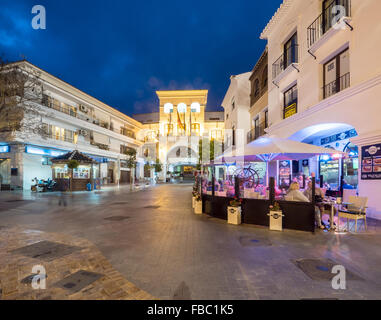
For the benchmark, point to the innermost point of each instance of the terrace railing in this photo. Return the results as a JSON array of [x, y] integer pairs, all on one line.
[[103, 124], [256, 133], [326, 20], [337, 85], [288, 57]]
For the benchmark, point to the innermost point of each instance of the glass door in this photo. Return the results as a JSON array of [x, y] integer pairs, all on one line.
[[330, 172], [291, 51]]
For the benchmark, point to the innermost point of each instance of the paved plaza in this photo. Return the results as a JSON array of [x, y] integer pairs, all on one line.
[[149, 245]]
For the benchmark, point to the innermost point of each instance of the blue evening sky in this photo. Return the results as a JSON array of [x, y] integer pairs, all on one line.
[[121, 52]]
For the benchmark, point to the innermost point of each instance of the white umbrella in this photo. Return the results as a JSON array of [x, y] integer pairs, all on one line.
[[268, 149]]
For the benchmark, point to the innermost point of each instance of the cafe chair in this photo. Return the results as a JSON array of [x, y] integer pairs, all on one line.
[[347, 193], [355, 210]]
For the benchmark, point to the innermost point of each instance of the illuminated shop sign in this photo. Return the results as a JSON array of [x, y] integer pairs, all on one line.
[[43, 152], [338, 137], [371, 162], [4, 149]]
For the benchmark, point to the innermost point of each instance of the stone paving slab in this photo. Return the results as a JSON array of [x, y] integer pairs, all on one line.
[[86, 272], [174, 254]]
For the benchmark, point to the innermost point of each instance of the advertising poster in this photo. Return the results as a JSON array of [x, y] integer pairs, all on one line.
[[284, 173], [371, 162]]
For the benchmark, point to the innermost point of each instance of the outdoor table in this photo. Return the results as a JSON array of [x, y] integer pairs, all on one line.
[[345, 204], [332, 204]]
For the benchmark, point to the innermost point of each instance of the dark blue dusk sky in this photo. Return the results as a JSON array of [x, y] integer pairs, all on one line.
[[121, 52]]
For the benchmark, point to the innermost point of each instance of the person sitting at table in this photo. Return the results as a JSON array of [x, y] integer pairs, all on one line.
[[347, 186], [294, 193], [319, 207]]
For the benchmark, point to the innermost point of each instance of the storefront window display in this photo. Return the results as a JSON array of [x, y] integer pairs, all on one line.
[[329, 170], [337, 171]]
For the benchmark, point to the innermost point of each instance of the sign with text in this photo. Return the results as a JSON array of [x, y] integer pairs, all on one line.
[[371, 162], [290, 110]]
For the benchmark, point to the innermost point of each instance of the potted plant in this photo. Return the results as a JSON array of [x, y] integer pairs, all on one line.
[[276, 215], [235, 211], [72, 165], [194, 195], [198, 204]]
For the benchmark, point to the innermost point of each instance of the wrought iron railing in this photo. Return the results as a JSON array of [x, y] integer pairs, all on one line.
[[288, 57], [256, 133], [103, 124], [337, 85], [327, 19], [58, 137]]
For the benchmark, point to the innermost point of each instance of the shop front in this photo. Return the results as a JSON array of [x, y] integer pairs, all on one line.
[[75, 179]]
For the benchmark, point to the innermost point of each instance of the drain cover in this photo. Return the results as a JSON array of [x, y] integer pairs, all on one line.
[[152, 207], [79, 280], [251, 242], [46, 250], [116, 218], [321, 269], [15, 200]]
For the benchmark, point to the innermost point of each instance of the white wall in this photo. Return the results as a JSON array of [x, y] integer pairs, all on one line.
[[358, 105], [32, 167]]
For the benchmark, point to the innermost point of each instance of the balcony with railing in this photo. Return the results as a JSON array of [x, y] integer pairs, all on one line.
[[72, 112], [336, 86], [256, 133], [53, 136], [328, 19], [289, 57]]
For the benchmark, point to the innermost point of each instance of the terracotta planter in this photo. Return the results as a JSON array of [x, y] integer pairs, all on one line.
[[234, 215]]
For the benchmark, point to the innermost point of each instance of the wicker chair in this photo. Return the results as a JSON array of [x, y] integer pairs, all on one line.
[[356, 210]]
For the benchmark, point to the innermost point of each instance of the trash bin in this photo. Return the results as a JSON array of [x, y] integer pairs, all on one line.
[[89, 187], [276, 220]]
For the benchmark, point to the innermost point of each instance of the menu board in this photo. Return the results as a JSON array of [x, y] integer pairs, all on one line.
[[284, 172], [371, 162]]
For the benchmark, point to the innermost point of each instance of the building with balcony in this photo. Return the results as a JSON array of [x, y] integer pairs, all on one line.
[[172, 135], [61, 118], [324, 87], [259, 99]]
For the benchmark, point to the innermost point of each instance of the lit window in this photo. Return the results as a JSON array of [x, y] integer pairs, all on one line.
[[196, 128], [168, 129], [182, 108], [168, 108], [195, 107]]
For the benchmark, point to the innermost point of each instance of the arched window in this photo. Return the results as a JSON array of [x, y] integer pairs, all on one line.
[[195, 107], [168, 108], [256, 87], [264, 77], [195, 128], [182, 107]]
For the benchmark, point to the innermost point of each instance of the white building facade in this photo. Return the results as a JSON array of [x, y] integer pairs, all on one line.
[[325, 87], [70, 120]]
